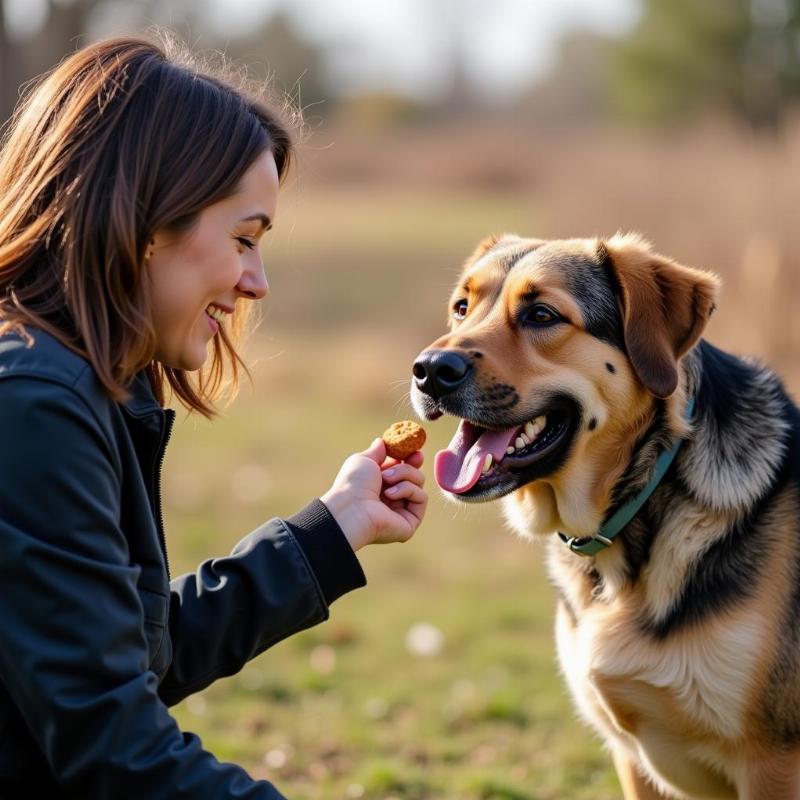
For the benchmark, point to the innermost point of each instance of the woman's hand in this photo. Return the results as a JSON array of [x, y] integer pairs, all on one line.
[[376, 499]]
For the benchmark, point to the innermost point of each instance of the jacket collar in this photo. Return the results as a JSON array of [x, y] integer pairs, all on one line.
[[141, 401]]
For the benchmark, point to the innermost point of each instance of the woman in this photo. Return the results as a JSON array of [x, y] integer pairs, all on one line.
[[134, 191]]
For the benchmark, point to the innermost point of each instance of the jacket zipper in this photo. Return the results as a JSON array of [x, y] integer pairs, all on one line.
[[165, 436]]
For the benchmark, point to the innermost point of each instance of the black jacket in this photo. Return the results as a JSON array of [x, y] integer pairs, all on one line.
[[95, 641]]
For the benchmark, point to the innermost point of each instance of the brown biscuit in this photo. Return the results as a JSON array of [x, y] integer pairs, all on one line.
[[403, 438]]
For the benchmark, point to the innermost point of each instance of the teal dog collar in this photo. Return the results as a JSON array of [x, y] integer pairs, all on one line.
[[592, 545]]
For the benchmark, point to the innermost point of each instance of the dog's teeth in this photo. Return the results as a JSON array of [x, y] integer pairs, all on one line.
[[520, 443], [530, 430], [487, 464], [526, 439], [540, 421], [509, 450]]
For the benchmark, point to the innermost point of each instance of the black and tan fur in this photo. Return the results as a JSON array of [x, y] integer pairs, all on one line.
[[680, 642]]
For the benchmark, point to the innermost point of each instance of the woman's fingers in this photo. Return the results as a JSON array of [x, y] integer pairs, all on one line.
[[412, 509], [406, 491], [406, 500], [415, 460], [403, 472]]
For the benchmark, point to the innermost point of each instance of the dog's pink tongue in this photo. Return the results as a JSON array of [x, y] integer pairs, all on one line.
[[458, 468]]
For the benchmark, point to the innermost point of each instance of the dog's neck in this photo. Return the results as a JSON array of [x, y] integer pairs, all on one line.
[[620, 514], [706, 467], [707, 480], [576, 503]]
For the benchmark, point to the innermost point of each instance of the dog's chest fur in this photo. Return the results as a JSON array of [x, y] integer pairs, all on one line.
[[672, 642], [675, 705]]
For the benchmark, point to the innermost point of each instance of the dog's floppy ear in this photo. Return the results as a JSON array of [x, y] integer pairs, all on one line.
[[665, 307]]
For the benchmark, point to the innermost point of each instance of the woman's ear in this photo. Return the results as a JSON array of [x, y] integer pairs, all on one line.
[[665, 307]]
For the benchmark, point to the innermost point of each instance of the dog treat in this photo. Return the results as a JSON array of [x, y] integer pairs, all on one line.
[[403, 438]]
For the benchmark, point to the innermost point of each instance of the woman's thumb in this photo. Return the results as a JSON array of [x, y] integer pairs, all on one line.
[[376, 451]]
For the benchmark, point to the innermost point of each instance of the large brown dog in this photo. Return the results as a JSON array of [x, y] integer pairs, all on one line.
[[671, 471]]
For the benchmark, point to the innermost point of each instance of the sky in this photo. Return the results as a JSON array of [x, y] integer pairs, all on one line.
[[399, 45]]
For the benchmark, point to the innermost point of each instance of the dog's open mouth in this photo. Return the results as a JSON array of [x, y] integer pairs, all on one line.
[[483, 464]]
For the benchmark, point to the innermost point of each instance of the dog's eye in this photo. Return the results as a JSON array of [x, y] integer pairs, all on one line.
[[539, 315], [460, 309]]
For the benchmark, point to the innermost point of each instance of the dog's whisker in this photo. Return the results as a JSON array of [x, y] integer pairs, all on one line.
[[403, 402]]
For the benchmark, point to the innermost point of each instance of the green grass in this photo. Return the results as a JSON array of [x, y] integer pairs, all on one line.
[[346, 710], [487, 717]]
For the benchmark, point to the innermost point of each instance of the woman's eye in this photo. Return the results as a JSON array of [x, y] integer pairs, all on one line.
[[540, 315], [248, 243], [460, 309]]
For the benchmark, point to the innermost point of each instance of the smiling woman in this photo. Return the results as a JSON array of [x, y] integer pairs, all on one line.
[[198, 277], [125, 116], [134, 191]]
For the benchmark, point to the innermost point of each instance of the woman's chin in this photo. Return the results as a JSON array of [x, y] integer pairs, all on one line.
[[187, 362], [193, 364]]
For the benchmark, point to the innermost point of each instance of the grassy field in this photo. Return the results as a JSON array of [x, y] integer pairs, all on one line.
[[354, 708], [437, 680], [357, 707]]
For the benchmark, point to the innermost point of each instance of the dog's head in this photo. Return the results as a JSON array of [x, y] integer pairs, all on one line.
[[556, 354]]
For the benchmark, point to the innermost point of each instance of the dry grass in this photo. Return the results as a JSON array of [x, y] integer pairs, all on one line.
[[717, 197], [367, 245]]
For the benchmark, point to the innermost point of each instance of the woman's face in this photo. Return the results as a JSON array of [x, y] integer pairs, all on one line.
[[197, 277]]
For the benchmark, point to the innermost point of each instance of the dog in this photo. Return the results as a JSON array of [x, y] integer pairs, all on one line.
[[665, 474]]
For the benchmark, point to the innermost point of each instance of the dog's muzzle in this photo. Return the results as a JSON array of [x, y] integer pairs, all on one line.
[[440, 372]]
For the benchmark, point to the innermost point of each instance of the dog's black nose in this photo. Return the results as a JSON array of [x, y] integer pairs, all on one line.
[[440, 372]]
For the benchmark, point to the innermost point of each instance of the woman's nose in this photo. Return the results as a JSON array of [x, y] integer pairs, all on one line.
[[253, 283]]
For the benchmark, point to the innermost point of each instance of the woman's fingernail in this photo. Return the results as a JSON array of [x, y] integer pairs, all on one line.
[[391, 490], [389, 472]]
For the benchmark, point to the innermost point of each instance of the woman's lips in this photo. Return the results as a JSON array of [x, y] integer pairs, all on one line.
[[212, 323]]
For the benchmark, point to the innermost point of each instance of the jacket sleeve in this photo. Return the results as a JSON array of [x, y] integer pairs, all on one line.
[[278, 580], [73, 652]]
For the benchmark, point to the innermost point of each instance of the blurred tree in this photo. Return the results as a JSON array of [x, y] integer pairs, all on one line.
[[376, 111], [67, 24], [22, 58], [294, 63], [687, 57], [454, 19], [7, 58], [576, 91]]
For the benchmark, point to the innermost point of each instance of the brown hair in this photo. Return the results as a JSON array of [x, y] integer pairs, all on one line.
[[124, 138]]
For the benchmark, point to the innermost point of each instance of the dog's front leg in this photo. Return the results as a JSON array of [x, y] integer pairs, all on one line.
[[774, 777], [634, 785]]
